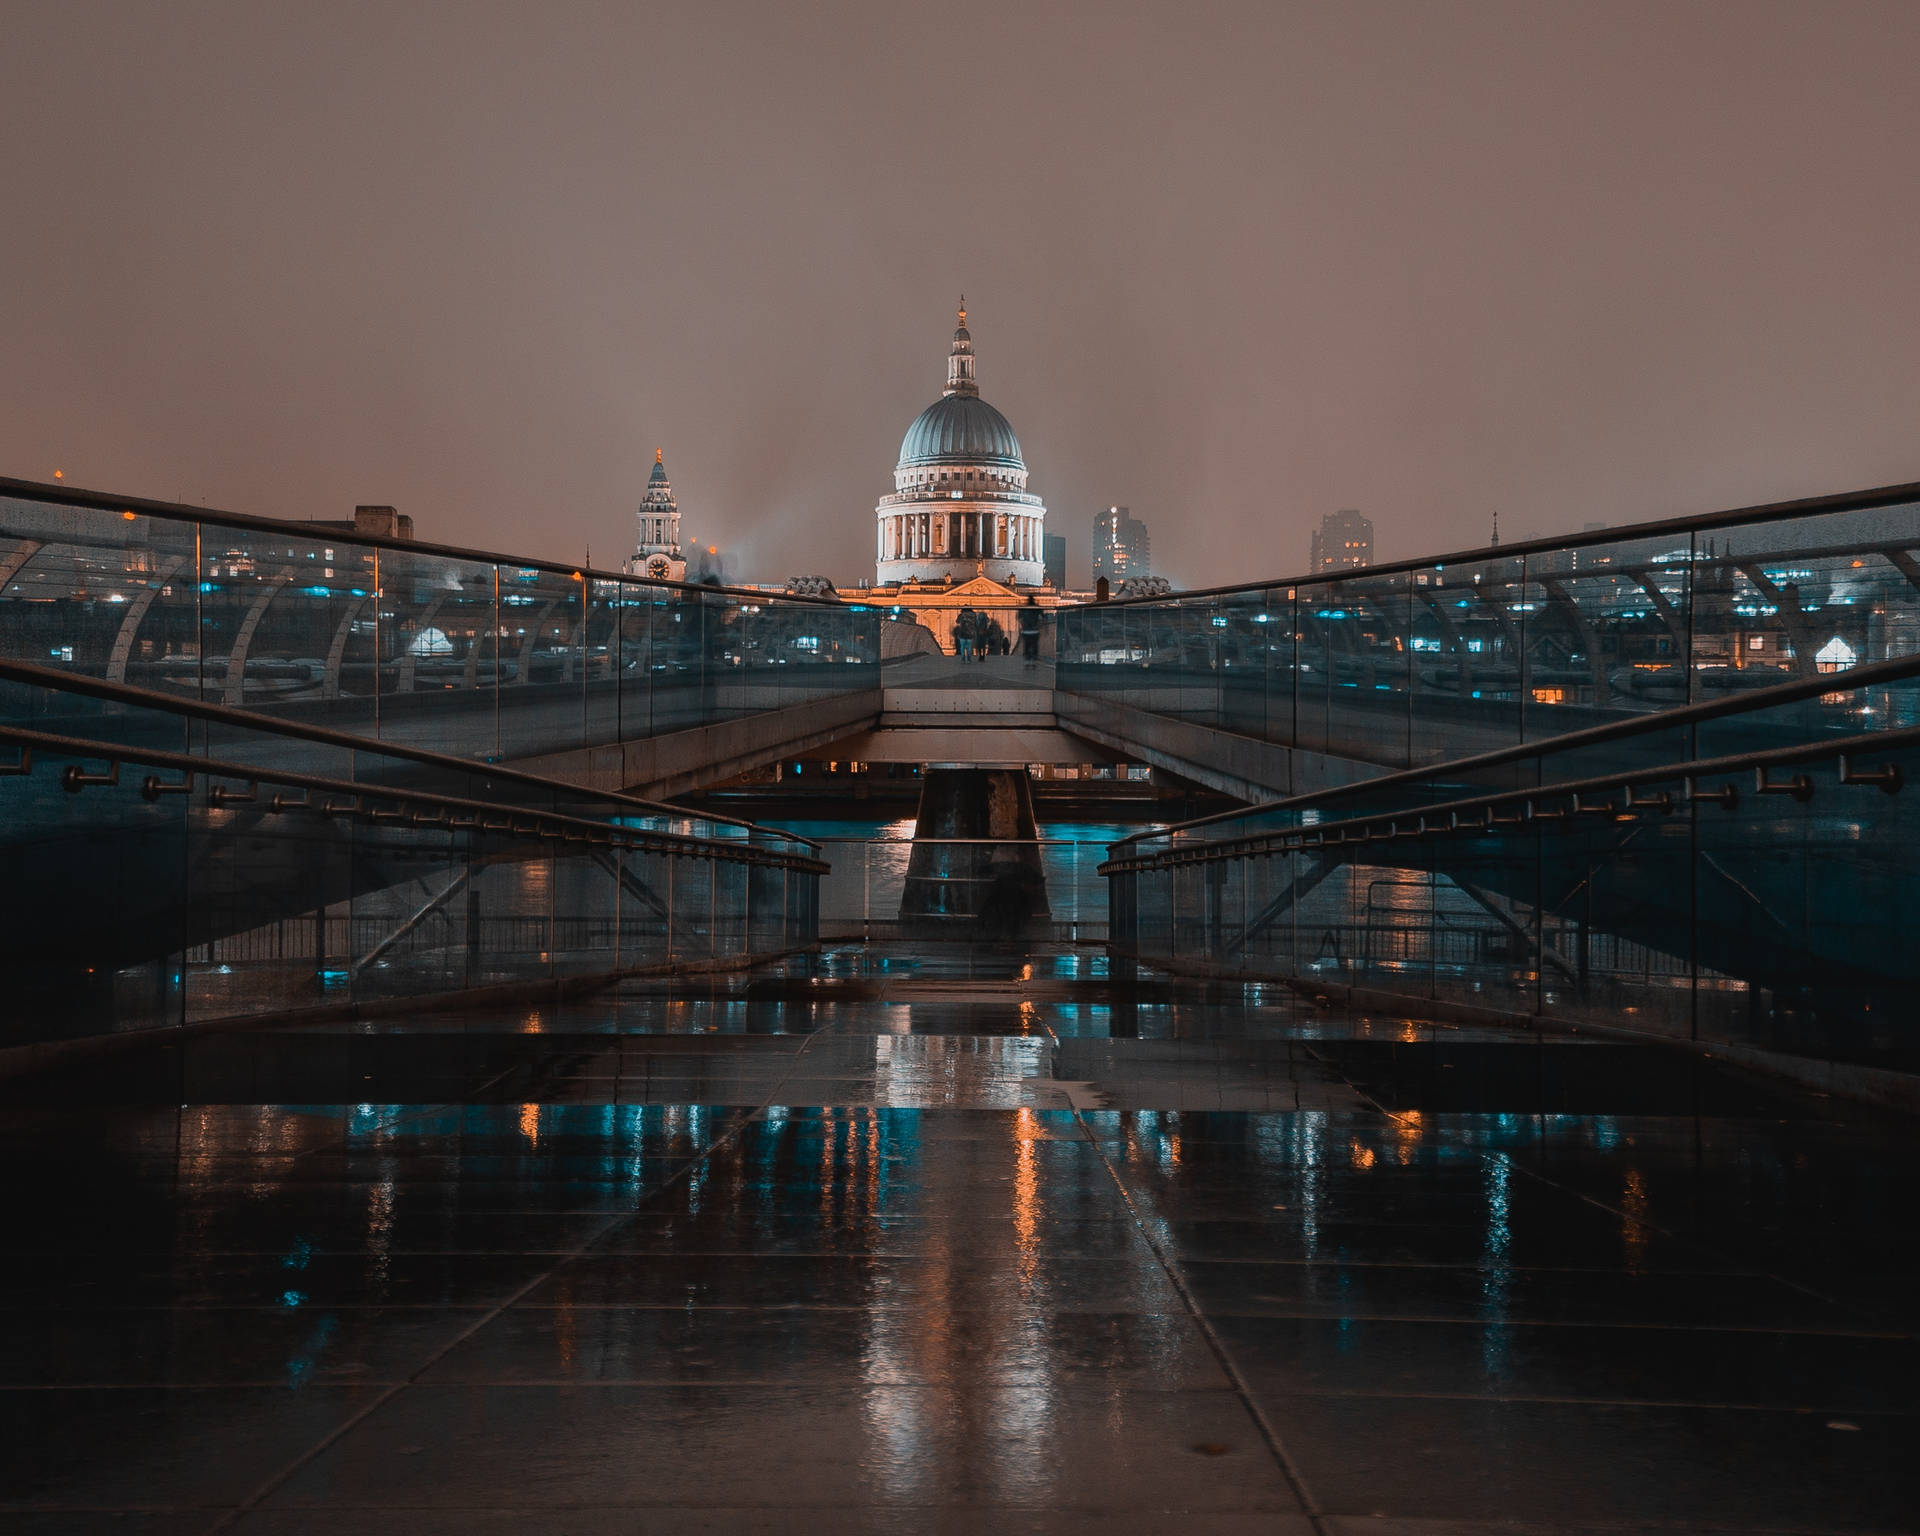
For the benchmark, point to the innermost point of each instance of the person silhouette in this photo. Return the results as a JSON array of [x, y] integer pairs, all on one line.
[[1030, 632]]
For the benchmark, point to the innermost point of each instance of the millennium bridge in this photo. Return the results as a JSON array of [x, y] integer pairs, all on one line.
[[459, 1071]]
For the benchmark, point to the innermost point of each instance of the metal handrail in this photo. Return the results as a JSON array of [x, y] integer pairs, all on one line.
[[1772, 512], [1446, 818], [1866, 676], [374, 803], [73, 496], [272, 725]]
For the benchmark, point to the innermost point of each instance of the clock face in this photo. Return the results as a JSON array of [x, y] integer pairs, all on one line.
[[657, 566]]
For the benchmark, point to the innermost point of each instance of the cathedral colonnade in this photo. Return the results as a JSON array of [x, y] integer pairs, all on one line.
[[968, 534]]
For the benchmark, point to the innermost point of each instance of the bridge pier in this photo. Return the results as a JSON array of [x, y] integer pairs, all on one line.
[[975, 871]]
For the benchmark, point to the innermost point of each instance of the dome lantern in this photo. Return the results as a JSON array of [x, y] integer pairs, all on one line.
[[960, 380]]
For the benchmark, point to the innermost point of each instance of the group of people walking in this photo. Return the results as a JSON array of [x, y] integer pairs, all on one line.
[[978, 635]]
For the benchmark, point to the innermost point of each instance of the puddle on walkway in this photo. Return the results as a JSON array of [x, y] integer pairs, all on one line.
[[1013, 1250]]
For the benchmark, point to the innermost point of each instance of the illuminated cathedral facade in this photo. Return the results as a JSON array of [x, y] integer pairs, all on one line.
[[960, 507]]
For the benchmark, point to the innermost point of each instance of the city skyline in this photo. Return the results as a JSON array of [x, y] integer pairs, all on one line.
[[637, 898], [376, 279]]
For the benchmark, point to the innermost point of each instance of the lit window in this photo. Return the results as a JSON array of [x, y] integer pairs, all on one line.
[[1835, 656]]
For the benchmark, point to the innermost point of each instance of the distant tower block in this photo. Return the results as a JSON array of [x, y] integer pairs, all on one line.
[[1122, 547], [656, 549], [960, 506], [1342, 542]]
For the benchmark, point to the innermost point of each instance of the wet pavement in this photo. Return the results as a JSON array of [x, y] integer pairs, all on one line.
[[950, 1242]]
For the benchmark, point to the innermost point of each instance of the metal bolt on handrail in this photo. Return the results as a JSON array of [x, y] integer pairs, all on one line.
[[221, 794], [1725, 796], [1800, 786], [153, 786], [1888, 776], [73, 778]]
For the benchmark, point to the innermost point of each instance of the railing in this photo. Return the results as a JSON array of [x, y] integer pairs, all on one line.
[[478, 654], [1722, 876], [247, 870], [1422, 662], [1883, 696], [117, 715], [941, 501]]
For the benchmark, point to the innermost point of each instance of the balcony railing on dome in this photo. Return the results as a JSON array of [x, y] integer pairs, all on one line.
[[937, 501]]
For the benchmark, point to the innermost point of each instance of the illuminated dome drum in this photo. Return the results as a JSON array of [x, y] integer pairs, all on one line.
[[960, 506]]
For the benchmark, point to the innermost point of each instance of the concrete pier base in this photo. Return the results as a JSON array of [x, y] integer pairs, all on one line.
[[975, 870]]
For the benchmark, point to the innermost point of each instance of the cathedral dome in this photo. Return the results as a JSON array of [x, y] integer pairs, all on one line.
[[960, 428], [960, 500]]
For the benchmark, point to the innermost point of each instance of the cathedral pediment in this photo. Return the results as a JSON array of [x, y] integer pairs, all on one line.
[[980, 586]]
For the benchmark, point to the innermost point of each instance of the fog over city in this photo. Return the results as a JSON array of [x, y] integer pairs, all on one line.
[[1234, 266]]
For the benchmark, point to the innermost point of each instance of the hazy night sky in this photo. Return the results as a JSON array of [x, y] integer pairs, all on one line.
[[1234, 266]]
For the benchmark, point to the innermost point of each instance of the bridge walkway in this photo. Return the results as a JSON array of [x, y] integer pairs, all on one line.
[[1031, 1253]]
